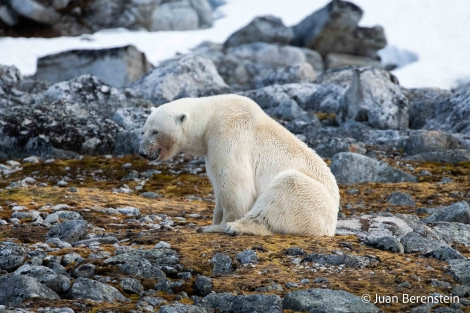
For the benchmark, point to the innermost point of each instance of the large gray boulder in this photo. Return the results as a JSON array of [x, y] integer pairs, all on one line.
[[451, 114], [15, 289], [69, 231], [117, 67], [326, 301], [184, 76], [247, 66], [47, 276], [458, 212], [72, 18], [262, 28], [88, 289], [373, 97], [334, 28], [350, 168], [12, 255], [80, 116]]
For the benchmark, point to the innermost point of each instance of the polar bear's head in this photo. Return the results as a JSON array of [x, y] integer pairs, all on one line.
[[163, 133]]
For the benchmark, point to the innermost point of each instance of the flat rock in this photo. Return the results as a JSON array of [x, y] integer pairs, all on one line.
[[226, 302], [458, 212], [350, 168], [14, 289], [325, 301], [88, 289], [118, 67], [70, 231]]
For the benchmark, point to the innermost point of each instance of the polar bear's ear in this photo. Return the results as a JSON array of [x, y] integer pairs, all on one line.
[[181, 118]]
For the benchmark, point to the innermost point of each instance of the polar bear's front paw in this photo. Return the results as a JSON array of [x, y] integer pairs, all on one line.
[[233, 228], [211, 229]]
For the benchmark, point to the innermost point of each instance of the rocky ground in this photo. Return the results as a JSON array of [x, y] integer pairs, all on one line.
[[119, 234], [87, 226]]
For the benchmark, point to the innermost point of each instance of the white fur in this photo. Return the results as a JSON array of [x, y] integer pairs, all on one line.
[[265, 180]]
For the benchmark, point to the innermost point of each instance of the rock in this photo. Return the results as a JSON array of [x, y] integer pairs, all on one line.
[[448, 113], [144, 263], [297, 73], [461, 270], [150, 195], [181, 15], [184, 76], [131, 285], [87, 289], [131, 211], [415, 242], [85, 270], [47, 276], [247, 257], [11, 256], [222, 264], [350, 168], [340, 259], [400, 198], [325, 301], [447, 156], [70, 18], [226, 302], [339, 60], [14, 289], [202, 285], [453, 232], [461, 291], [10, 76], [245, 66], [8, 16], [420, 142], [65, 119], [35, 11], [444, 253], [294, 251], [268, 28], [457, 212], [334, 28], [118, 67], [422, 104], [162, 245], [375, 98], [69, 231], [386, 243], [177, 307]]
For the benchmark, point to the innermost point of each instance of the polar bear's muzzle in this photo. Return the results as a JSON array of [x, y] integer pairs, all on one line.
[[153, 156]]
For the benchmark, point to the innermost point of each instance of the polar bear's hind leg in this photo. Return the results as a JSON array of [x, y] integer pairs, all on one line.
[[293, 203]]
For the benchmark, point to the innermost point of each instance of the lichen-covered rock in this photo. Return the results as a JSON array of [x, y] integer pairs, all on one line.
[[14, 289], [184, 76], [47, 276], [226, 302], [88, 289], [12, 255], [373, 97], [69, 231], [351, 168], [222, 264], [458, 212], [326, 301], [461, 270]]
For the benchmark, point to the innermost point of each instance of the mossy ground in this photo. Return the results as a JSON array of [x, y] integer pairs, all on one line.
[[95, 177]]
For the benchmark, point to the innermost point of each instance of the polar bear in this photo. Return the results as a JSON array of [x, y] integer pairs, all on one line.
[[265, 180]]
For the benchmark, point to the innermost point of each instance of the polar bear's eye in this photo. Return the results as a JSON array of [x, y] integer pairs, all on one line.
[[155, 132]]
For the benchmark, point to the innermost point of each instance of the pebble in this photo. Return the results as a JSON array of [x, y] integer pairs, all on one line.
[[162, 245], [130, 211], [31, 159], [58, 207], [52, 218], [62, 183]]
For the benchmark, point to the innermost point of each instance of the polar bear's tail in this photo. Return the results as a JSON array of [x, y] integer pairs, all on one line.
[[293, 203]]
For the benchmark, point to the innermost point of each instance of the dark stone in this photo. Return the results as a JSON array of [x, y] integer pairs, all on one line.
[[247, 257], [202, 285], [117, 67], [352, 261], [461, 270], [262, 28], [326, 301], [444, 253], [387, 243], [11, 256], [87, 289], [69, 231], [222, 264], [458, 212], [400, 198], [226, 302]]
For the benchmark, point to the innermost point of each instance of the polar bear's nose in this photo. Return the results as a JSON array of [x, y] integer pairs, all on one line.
[[143, 155]]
